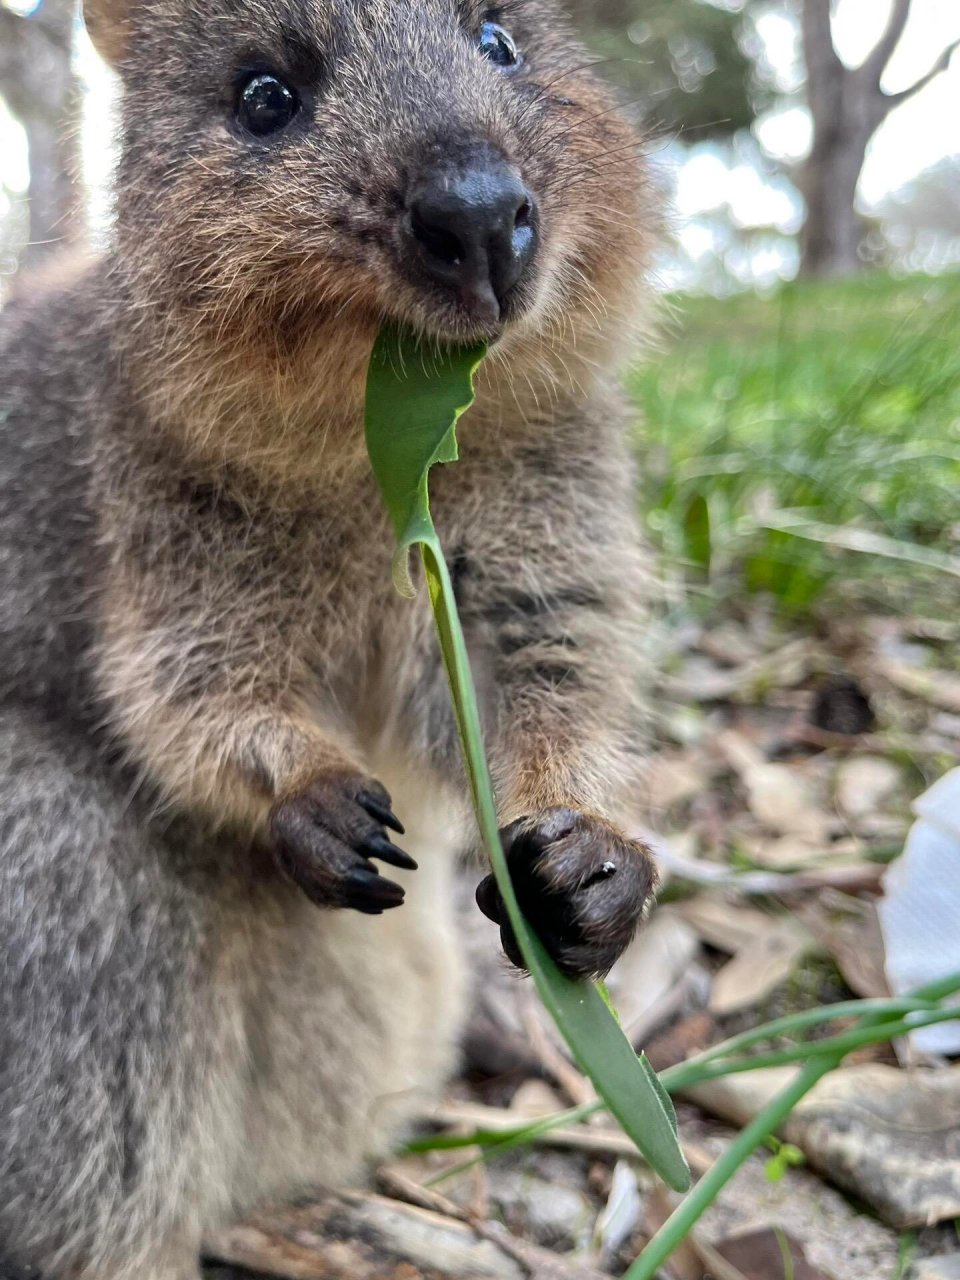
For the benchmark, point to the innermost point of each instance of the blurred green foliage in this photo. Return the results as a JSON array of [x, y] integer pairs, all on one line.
[[686, 61], [835, 407]]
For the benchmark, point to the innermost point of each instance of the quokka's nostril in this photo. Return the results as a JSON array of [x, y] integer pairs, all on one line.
[[438, 242], [524, 213]]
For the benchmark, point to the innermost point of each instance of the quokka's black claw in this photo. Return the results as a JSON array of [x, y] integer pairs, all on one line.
[[489, 900], [379, 846], [608, 869], [381, 812], [367, 891]]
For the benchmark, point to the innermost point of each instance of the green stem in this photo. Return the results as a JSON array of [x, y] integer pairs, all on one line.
[[688, 1074], [808, 1018], [942, 989], [688, 1213], [508, 1137], [706, 1065]]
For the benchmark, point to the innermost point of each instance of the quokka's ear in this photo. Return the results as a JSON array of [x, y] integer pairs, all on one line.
[[107, 22]]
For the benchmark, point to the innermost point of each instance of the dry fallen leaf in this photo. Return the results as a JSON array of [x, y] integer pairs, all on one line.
[[681, 1040], [778, 795], [849, 929], [648, 970], [673, 777], [721, 922], [767, 1255], [940, 688], [792, 852], [761, 966]]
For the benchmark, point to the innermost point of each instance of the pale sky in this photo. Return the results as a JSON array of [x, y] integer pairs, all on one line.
[[915, 136]]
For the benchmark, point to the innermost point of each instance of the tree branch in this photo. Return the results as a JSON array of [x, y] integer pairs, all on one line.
[[819, 53], [942, 63], [876, 63]]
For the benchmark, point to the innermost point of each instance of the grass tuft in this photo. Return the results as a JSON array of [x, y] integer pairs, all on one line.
[[807, 445]]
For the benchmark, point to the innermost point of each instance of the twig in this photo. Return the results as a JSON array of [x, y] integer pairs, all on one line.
[[576, 1086], [865, 875], [536, 1262]]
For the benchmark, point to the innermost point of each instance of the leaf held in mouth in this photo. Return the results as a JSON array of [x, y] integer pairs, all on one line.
[[415, 397]]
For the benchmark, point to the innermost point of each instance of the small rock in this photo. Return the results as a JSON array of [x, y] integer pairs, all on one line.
[[621, 1215], [946, 1268], [551, 1212], [838, 1238], [557, 1214], [864, 784], [890, 1137]]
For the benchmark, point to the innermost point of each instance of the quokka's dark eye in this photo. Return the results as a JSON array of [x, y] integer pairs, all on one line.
[[265, 105], [497, 45]]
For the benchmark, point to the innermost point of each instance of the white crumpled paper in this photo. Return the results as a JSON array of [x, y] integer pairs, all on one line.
[[920, 910]]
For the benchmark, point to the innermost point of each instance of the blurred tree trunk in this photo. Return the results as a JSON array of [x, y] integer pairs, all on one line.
[[39, 86], [847, 106]]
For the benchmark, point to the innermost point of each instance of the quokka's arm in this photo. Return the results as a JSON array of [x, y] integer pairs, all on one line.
[[215, 718], [555, 589], [234, 741]]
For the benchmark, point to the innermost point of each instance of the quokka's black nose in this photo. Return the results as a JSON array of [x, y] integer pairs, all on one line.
[[474, 230]]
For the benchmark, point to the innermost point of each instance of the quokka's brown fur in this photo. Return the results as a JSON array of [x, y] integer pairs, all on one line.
[[202, 662]]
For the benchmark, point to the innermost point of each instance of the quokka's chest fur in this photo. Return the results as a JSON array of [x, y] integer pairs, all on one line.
[[243, 591]]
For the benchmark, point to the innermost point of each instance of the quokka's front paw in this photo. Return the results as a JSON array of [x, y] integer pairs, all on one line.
[[325, 835], [581, 884]]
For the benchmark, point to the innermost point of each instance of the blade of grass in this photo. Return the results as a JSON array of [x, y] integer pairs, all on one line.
[[414, 401], [673, 1079], [878, 1028], [686, 1076], [682, 1221], [863, 540], [805, 1019]]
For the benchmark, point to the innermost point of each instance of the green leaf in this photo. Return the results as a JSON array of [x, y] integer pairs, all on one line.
[[696, 532], [414, 400]]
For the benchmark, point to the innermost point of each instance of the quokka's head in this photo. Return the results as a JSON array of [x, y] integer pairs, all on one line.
[[447, 163]]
